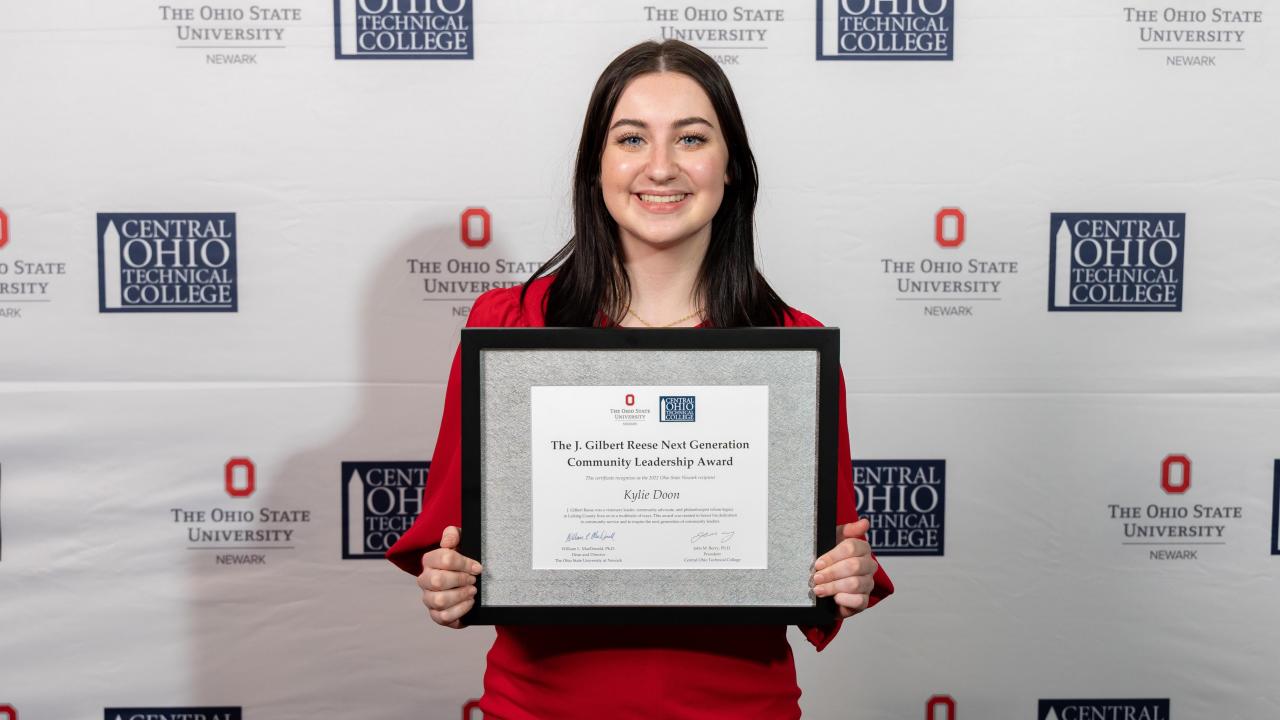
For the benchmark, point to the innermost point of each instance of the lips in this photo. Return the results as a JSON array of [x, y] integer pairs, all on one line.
[[662, 202]]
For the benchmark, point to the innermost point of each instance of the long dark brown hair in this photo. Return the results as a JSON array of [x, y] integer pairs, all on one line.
[[590, 286]]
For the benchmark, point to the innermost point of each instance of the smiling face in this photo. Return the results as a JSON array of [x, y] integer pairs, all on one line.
[[663, 169]]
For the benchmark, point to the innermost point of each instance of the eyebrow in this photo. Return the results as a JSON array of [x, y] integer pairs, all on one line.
[[682, 122]]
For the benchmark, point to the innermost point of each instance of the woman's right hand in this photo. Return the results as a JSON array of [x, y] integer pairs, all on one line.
[[448, 580]]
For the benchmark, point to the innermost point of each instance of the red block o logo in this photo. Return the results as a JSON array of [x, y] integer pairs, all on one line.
[[943, 701], [468, 237], [7, 712], [940, 227], [471, 705], [4, 240], [631, 399], [1167, 474], [240, 477]]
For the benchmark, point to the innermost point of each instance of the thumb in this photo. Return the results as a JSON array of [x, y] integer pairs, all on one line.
[[450, 538], [855, 529]]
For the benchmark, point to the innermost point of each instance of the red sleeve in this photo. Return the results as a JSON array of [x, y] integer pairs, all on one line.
[[822, 635], [442, 496]]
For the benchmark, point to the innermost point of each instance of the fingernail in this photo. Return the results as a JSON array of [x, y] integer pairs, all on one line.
[[473, 590], [817, 578], [820, 591], [818, 564], [475, 568]]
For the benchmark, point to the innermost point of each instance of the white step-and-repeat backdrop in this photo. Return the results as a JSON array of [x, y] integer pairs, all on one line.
[[238, 241]]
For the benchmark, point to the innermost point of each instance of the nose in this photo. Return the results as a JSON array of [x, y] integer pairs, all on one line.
[[662, 164]]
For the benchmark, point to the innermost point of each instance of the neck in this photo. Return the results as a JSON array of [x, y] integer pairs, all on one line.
[[662, 280]]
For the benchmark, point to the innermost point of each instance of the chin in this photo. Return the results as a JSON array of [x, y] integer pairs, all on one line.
[[663, 239]]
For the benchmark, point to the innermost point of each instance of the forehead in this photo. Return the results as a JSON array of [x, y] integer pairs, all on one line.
[[662, 98]]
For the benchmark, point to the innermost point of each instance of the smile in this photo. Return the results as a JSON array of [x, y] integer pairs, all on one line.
[[663, 198]]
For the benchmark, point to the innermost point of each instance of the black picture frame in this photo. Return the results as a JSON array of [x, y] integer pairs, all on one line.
[[475, 341]]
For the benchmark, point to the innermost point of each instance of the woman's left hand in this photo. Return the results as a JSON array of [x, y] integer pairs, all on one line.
[[846, 571]]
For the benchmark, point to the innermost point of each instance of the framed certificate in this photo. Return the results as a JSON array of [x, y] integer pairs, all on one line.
[[649, 476]]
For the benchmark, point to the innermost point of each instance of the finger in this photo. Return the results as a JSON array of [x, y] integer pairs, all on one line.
[[451, 537], [854, 602], [857, 529], [437, 580], [446, 559], [844, 549], [444, 600], [857, 565], [858, 585], [449, 617]]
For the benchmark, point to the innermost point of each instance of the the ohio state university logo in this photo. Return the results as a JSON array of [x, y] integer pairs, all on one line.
[[458, 275], [477, 227], [948, 278], [940, 707], [240, 477], [1176, 522], [948, 227], [1175, 474], [408, 29], [28, 276], [230, 529]]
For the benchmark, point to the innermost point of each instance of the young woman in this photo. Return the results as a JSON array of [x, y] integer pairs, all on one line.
[[664, 197]]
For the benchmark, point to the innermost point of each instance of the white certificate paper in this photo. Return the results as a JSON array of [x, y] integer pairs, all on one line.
[[650, 477]]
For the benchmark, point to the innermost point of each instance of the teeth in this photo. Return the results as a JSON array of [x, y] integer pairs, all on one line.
[[663, 198]]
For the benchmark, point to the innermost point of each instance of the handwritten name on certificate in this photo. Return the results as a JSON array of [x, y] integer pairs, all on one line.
[[648, 477]]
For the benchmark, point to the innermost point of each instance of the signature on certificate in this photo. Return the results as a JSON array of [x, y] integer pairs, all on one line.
[[593, 535], [724, 537]]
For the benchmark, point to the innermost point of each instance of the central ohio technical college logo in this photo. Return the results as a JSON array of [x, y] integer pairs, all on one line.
[[1116, 261], [905, 501], [886, 29], [418, 29], [380, 501], [1, 546], [1106, 709], [172, 713], [677, 408], [1275, 512], [167, 262]]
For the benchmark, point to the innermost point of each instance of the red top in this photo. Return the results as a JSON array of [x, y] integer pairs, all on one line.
[[617, 671]]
